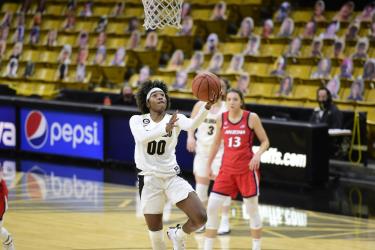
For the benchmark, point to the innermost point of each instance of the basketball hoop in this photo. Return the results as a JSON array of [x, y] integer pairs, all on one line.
[[161, 13]]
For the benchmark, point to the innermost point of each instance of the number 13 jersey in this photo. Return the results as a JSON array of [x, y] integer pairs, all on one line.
[[238, 142]]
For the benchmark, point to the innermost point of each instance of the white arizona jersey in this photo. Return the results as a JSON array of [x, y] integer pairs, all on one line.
[[207, 130], [154, 148]]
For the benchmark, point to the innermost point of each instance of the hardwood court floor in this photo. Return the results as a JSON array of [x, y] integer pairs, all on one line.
[[60, 213]]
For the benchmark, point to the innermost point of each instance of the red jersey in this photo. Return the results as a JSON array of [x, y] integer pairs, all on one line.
[[238, 143], [3, 188]]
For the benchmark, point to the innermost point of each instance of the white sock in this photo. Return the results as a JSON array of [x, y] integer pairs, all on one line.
[[180, 233], [256, 244], [4, 234], [224, 219], [208, 243], [157, 240]]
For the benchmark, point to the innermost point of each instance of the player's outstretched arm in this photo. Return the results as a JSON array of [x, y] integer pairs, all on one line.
[[141, 135], [214, 147], [256, 124]]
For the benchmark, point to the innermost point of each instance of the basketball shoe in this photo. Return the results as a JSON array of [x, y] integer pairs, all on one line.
[[8, 244], [224, 227], [178, 241]]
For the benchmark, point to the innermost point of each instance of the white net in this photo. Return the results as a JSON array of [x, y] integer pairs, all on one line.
[[161, 13]]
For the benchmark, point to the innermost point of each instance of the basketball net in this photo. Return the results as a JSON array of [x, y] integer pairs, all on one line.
[[161, 13]]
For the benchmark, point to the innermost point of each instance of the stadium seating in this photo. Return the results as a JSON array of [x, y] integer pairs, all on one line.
[[262, 89]]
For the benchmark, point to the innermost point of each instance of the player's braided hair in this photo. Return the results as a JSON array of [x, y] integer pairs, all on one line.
[[143, 91]]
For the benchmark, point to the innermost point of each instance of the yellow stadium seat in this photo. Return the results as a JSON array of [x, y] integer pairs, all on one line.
[[182, 95], [25, 89], [327, 50], [165, 78], [263, 87], [329, 14], [201, 14], [310, 104], [299, 71], [189, 82], [116, 27], [46, 90], [306, 50], [349, 50], [63, 39], [169, 31], [358, 71], [256, 68], [291, 102], [133, 80], [107, 90], [371, 95], [251, 99], [345, 105], [344, 93], [306, 89], [302, 15], [55, 9], [45, 74], [31, 55], [102, 10], [116, 42], [134, 12], [150, 58], [271, 49], [49, 56], [269, 101], [50, 23], [258, 30], [86, 25], [13, 7], [371, 114], [232, 48]]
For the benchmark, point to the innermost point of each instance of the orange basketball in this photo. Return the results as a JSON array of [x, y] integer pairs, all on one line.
[[205, 86]]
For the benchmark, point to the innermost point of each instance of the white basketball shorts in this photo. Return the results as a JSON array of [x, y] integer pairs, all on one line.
[[200, 164], [155, 191]]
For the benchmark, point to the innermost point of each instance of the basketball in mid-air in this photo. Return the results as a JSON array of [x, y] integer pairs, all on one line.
[[205, 86]]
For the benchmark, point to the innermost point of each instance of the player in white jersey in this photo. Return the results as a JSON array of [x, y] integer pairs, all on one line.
[[155, 133], [200, 143]]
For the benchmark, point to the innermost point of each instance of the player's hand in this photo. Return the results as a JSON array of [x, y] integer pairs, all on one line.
[[171, 124], [191, 144], [254, 163], [212, 100]]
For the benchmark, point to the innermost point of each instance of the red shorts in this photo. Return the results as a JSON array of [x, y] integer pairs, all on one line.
[[246, 184], [3, 206]]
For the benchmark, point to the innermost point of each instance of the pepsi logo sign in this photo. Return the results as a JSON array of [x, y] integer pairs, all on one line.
[[8, 130], [64, 133], [36, 129]]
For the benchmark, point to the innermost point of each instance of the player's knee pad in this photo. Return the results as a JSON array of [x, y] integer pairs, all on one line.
[[227, 201], [253, 210], [215, 202], [202, 191]]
